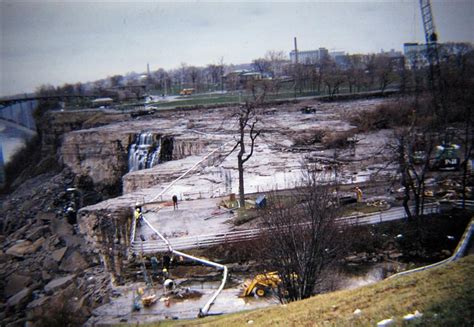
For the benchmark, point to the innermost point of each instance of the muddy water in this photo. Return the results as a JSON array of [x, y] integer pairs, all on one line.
[[230, 300], [372, 275], [120, 308]]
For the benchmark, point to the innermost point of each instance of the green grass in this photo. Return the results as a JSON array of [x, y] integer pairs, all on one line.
[[444, 295]]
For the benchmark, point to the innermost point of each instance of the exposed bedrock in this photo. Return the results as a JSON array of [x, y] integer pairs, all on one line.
[[101, 155], [176, 148], [55, 124], [108, 230]]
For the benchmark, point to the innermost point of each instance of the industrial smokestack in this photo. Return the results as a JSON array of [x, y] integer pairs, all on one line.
[[296, 51]]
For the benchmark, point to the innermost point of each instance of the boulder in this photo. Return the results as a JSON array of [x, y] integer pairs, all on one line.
[[37, 308], [58, 283], [37, 244], [24, 247], [59, 254], [61, 227], [45, 216], [45, 276], [50, 264], [15, 283], [72, 240], [36, 233], [20, 298], [73, 263], [20, 249], [3, 257]]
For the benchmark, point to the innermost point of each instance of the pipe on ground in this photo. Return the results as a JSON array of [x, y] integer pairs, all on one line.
[[205, 309]]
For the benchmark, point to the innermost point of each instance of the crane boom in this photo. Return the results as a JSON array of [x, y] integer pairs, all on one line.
[[432, 55]]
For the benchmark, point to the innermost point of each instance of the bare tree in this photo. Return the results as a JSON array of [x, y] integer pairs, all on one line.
[[355, 73], [333, 77], [384, 71], [301, 236], [276, 60], [414, 152], [194, 75], [261, 65], [247, 124]]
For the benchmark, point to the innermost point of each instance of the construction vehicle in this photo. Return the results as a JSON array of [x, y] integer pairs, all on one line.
[[186, 92], [447, 157], [262, 284]]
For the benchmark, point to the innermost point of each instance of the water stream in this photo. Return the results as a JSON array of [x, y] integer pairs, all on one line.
[[144, 152]]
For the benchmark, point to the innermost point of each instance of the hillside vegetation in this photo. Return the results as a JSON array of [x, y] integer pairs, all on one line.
[[444, 295]]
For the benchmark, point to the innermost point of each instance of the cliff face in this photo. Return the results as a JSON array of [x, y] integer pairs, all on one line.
[[55, 124], [175, 148], [101, 155], [108, 231]]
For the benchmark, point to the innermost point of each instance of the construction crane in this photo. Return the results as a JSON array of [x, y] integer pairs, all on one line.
[[431, 38]]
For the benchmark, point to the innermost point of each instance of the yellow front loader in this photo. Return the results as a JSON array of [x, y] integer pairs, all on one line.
[[262, 284]]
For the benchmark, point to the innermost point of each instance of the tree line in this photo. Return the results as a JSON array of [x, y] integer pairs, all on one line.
[[273, 73]]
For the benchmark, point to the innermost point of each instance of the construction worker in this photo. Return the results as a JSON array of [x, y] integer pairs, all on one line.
[[166, 266], [175, 202], [358, 193], [155, 266], [138, 214], [168, 285]]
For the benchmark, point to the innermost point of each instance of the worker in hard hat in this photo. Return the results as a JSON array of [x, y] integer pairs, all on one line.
[[168, 285], [358, 193], [138, 214]]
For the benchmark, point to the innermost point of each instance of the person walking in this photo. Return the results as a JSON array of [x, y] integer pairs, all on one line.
[[175, 202]]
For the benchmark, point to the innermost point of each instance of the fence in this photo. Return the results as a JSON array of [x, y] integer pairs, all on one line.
[[200, 241]]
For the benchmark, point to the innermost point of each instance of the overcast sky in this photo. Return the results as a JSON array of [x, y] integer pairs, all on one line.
[[58, 42]]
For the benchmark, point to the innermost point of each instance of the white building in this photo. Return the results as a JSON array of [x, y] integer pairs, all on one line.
[[415, 55], [309, 56]]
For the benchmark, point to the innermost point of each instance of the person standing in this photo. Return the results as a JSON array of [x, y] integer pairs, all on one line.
[[175, 202]]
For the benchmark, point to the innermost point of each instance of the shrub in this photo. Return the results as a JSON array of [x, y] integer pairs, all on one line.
[[309, 137], [337, 139]]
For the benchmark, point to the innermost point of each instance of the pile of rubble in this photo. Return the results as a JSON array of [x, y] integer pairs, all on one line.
[[48, 274]]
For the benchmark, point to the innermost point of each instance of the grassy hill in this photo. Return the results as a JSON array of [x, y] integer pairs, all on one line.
[[445, 296]]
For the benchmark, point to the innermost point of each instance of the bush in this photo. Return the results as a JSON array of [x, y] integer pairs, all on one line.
[[393, 114], [309, 137], [337, 139]]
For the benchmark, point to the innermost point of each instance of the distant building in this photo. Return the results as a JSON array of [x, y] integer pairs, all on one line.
[[309, 56], [396, 57], [392, 53], [340, 58], [237, 79], [415, 55]]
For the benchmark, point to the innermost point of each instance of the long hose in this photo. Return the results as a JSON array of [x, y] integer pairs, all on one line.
[[205, 309]]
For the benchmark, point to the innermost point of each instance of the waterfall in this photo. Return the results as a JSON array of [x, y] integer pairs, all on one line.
[[144, 152]]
